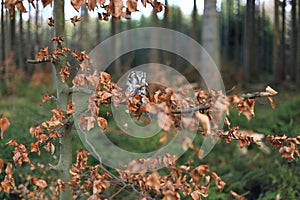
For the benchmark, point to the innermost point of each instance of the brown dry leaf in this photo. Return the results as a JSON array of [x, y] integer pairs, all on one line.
[[64, 74], [204, 120], [4, 124], [218, 181], [153, 181], [144, 2], [50, 148], [77, 4], [90, 123], [1, 165], [35, 148], [236, 196], [116, 7], [75, 19], [39, 183], [57, 40], [61, 185], [271, 91], [44, 99], [186, 143], [21, 7], [12, 143], [289, 151], [92, 4], [163, 139], [132, 5], [102, 123], [47, 2], [70, 108], [51, 22], [198, 173], [43, 54]]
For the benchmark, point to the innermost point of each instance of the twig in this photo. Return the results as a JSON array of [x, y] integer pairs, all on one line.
[[255, 95], [30, 61], [190, 110], [78, 90], [118, 192]]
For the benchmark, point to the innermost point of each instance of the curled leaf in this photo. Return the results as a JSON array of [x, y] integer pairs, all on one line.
[[4, 124]]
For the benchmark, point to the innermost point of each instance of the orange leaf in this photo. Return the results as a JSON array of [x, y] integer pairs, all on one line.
[[102, 122], [74, 20], [77, 4], [12, 143], [47, 2], [44, 99], [1, 165], [4, 124]]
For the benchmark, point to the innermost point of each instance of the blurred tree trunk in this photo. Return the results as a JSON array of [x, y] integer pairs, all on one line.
[[154, 54], [294, 47], [37, 28], [283, 45], [2, 38], [298, 46], [227, 28], [166, 21], [237, 35], [84, 41], [210, 31], [21, 43], [276, 64], [249, 66], [13, 35], [115, 28], [98, 29], [195, 21]]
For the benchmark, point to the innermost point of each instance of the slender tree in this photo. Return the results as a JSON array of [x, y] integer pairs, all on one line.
[[276, 64], [237, 34], [298, 45], [282, 69], [210, 31], [2, 37], [293, 41], [249, 66]]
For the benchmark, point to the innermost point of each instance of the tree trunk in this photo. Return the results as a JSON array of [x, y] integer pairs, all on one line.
[[237, 35], [294, 46], [226, 29], [37, 29], [283, 45], [2, 38], [21, 42], [249, 65], [298, 46], [210, 31], [276, 64], [65, 157], [194, 22], [154, 54], [115, 28], [13, 36]]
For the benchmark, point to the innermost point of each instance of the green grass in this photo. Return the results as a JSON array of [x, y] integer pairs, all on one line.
[[262, 175]]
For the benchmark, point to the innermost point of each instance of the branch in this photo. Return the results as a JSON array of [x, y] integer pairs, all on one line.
[[30, 61], [77, 90], [190, 110]]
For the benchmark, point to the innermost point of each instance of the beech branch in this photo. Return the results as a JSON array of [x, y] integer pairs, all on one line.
[[30, 61]]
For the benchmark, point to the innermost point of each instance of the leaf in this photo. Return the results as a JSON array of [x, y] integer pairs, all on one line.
[[64, 74], [46, 3], [144, 2], [102, 123], [44, 99], [34, 147], [74, 20], [12, 143], [50, 22], [70, 108], [1, 165], [39, 183], [132, 5], [163, 139], [218, 182], [77, 4], [236, 196], [204, 120], [4, 124]]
